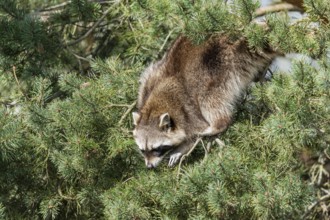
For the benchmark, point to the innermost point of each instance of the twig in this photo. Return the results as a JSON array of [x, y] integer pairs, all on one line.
[[56, 7], [165, 41], [81, 58], [90, 30], [15, 76], [61, 5], [311, 207], [87, 101], [117, 105], [63, 196], [128, 179], [205, 150], [276, 8], [17, 82], [187, 154], [130, 108], [46, 165]]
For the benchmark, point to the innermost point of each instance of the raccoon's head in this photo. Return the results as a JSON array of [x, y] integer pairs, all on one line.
[[156, 137]]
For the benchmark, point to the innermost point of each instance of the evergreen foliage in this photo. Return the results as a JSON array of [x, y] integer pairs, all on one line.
[[68, 83]]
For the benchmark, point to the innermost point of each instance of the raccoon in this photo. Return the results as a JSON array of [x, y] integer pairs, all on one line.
[[191, 92]]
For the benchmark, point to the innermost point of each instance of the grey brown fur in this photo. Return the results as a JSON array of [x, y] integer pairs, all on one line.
[[192, 92]]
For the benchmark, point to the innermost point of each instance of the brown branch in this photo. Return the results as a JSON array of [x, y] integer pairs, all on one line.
[[276, 8]]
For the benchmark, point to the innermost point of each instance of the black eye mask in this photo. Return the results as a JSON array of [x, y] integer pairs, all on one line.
[[161, 150]]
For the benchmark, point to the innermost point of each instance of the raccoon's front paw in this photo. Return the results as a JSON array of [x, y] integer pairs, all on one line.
[[174, 159]]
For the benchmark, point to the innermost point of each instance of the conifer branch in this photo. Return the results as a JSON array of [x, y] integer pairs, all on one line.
[[64, 196], [250, 14], [18, 83], [317, 10], [130, 108], [90, 30], [187, 154], [41, 116], [311, 207], [83, 98], [212, 16]]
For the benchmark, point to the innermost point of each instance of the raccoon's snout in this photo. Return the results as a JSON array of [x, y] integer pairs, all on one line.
[[155, 156], [150, 165]]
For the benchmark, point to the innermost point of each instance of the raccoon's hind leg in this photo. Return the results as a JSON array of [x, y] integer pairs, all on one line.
[[216, 127], [211, 131], [216, 114]]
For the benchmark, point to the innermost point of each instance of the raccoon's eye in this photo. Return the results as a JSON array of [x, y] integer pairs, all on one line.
[[157, 152], [165, 147], [160, 150], [142, 151]]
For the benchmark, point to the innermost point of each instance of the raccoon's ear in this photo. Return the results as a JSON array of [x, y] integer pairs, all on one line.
[[165, 121], [136, 118]]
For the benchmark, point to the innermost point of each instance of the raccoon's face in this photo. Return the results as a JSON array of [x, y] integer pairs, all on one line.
[[156, 139]]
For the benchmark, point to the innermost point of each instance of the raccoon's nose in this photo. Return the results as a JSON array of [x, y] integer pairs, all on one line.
[[150, 165]]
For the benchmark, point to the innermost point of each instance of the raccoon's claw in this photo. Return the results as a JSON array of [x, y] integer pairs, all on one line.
[[174, 159], [220, 143]]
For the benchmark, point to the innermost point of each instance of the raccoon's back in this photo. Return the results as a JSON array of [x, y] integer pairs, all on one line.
[[217, 63]]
